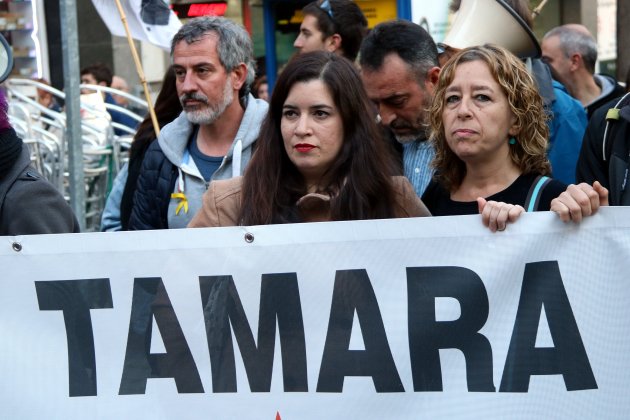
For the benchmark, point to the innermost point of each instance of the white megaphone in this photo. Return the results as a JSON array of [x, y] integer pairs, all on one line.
[[480, 22]]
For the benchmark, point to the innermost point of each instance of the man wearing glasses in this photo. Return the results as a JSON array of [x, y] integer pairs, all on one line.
[[332, 25]]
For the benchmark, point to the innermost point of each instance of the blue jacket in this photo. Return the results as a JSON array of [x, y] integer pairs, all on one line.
[[119, 117], [567, 123], [566, 130]]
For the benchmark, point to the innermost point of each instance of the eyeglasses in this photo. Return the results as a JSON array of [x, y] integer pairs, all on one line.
[[325, 6]]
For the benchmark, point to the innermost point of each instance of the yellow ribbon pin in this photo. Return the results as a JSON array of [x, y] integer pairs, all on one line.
[[182, 204]]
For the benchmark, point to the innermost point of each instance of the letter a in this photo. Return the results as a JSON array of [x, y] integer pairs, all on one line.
[[542, 284]]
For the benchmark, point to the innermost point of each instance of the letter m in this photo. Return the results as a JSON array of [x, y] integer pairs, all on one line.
[[223, 313]]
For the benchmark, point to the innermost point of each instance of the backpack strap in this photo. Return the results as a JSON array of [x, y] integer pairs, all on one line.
[[535, 191], [611, 116]]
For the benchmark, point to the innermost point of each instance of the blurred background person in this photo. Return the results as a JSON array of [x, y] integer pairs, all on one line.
[[571, 53], [120, 84], [47, 99], [260, 88], [332, 25], [100, 74], [319, 157]]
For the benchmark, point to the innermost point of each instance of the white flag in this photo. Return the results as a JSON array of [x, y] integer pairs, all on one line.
[[149, 20]]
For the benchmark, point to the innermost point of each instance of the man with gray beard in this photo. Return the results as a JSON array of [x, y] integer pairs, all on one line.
[[399, 68], [213, 137]]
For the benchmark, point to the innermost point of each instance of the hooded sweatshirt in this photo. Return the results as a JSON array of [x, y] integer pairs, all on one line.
[[182, 191]]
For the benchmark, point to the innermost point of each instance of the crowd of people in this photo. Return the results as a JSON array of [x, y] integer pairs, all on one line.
[[410, 129]]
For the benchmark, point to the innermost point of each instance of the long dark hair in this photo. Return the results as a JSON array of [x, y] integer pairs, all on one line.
[[360, 178], [167, 108]]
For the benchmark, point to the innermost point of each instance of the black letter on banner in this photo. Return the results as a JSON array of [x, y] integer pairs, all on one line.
[[542, 284], [427, 336], [353, 291], [279, 299], [75, 298], [150, 300]]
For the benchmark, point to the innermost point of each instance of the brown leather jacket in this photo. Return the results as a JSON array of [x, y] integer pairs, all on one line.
[[222, 203]]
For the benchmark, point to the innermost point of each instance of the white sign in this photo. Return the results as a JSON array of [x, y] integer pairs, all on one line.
[[433, 16], [409, 318], [606, 29]]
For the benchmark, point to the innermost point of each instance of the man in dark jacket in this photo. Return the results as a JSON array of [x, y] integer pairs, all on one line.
[[28, 203], [605, 150]]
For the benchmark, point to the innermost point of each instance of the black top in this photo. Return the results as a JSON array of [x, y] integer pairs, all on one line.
[[439, 202], [607, 159]]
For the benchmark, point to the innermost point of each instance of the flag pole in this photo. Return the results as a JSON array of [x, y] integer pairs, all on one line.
[[538, 9], [139, 69]]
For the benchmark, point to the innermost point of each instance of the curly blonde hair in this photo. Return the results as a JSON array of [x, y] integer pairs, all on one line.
[[530, 151]]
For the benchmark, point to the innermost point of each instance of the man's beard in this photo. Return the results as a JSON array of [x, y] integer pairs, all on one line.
[[419, 129], [211, 112], [416, 132]]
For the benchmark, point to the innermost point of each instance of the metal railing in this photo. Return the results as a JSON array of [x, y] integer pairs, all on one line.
[[44, 130]]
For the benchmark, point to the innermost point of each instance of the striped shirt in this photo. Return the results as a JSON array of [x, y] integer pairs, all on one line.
[[417, 157]]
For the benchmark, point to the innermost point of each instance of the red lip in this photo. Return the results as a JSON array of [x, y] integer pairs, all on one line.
[[303, 147]]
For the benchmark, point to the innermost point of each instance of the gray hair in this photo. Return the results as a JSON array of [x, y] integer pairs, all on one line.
[[574, 40], [234, 46]]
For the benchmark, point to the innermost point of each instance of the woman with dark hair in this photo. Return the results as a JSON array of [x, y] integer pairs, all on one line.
[[489, 130], [319, 157], [120, 201], [28, 203]]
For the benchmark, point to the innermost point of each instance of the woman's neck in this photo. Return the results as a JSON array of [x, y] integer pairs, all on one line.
[[486, 179]]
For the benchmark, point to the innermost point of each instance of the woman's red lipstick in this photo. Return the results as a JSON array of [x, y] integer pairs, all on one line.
[[304, 147]]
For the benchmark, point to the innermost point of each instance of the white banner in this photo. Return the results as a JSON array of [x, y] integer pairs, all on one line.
[[148, 20], [401, 319]]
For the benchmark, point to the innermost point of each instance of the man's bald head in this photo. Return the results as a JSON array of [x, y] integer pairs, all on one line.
[[574, 39]]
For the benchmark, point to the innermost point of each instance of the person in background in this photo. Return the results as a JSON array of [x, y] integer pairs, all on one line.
[[100, 74], [47, 99], [489, 132], [332, 25], [571, 53], [399, 68], [605, 154], [120, 84], [260, 88], [319, 156], [120, 200], [28, 203], [214, 137]]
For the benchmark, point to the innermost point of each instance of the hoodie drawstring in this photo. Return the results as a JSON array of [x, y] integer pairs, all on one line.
[[237, 153]]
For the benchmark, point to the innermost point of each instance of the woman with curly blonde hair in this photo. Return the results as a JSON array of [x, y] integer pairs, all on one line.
[[489, 131]]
